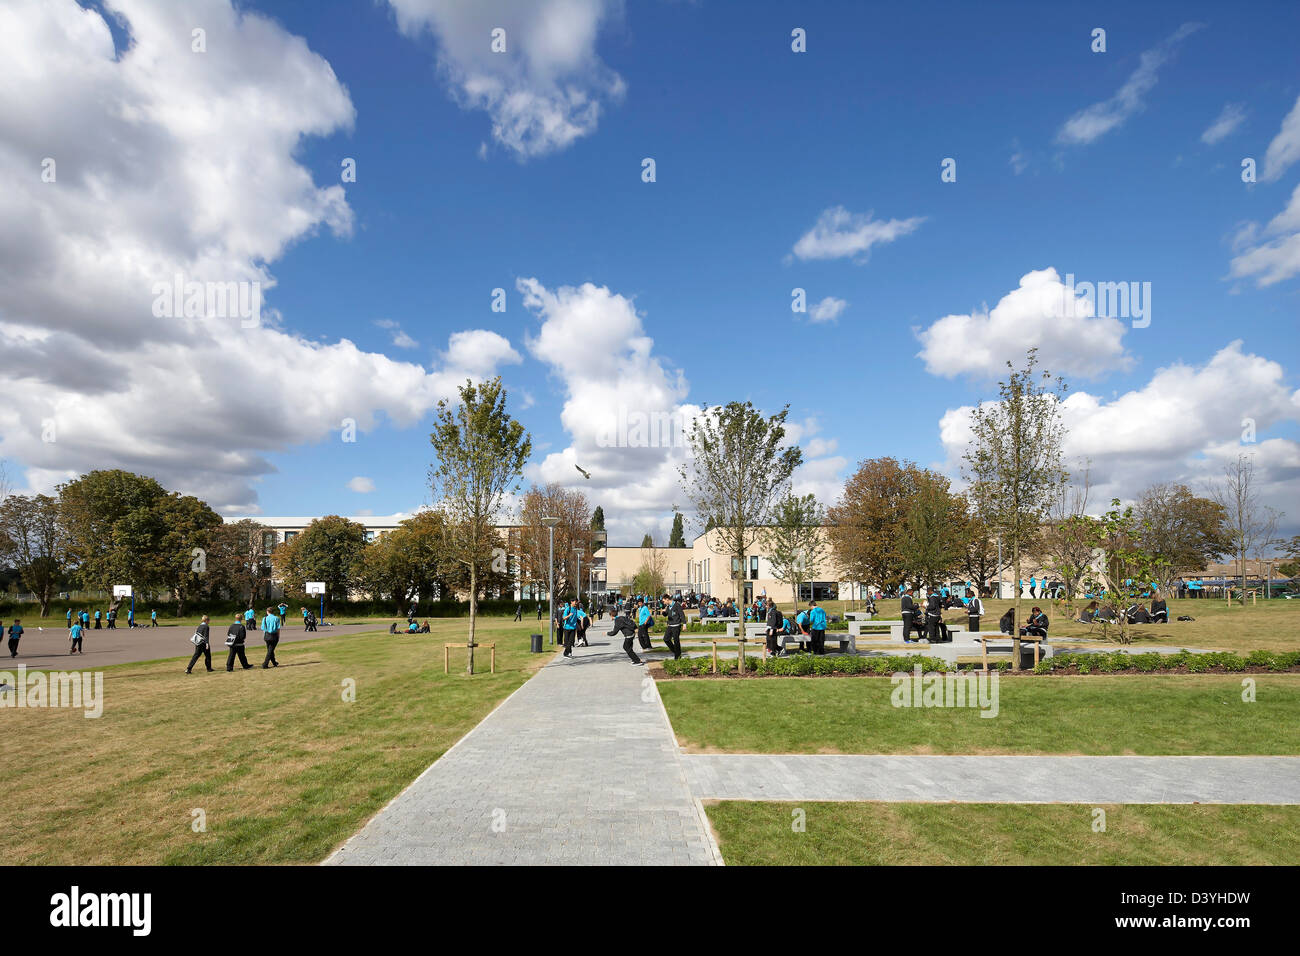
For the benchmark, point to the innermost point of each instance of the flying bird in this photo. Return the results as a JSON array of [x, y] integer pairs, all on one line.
[[586, 474]]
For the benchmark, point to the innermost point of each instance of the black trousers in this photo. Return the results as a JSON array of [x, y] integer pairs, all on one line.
[[910, 624], [972, 623], [643, 636], [818, 642], [519, 614], [237, 650], [270, 651], [932, 628], [13, 647], [112, 624], [673, 638], [76, 645], [773, 645], [205, 651], [568, 641], [97, 624]]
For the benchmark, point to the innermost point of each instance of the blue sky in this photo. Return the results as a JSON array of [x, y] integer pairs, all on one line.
[[754, 144]]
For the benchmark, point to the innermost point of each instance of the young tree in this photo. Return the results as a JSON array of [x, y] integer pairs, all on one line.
[[1125, 567], [796, 543], [677, 538], [739, 468], [980, 561], [1237, 495], [1066, 539], [30, 528], [648, 541], [649, 577], [1014, 461], [480, 452]]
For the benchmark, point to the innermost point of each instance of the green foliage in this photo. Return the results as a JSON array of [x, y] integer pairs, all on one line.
[[677, 538]]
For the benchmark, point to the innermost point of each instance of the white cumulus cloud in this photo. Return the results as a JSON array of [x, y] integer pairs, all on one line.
[[840, 234]]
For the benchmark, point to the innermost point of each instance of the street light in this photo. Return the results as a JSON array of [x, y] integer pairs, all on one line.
[[550, 588], [577, 577]]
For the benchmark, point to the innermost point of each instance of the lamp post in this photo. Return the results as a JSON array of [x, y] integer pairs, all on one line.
[[577, 577], [550, 568]]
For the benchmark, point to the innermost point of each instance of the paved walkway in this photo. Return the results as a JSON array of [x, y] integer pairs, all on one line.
[[578, 766], [995, 779]]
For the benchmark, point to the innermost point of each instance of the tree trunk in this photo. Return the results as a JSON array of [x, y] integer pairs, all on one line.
[[473, 614]]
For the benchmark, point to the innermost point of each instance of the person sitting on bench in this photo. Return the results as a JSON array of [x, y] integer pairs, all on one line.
[[1159, 611], [1088, 613], [1007, 623], [1106, 613], [1036, 625]]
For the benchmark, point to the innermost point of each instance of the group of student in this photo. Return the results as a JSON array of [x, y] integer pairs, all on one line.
[[809, 625], [928, 623], [236, 636], [1134, 614], [634, 619]]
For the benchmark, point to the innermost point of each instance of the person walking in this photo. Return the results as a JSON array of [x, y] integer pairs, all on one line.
[[271, 636], [202, 646], [817, 627], [112, 619], [623, 625], [569, 623], [97, 619], [236, 634], [974, 611], [74, 637], [69, 616], [775, 624], [519, 611], [675, 620], [250, 620], [153, 617], [539, 610], [130, 618], [283, 610], [584, 622], [15, 635], [644, 621]]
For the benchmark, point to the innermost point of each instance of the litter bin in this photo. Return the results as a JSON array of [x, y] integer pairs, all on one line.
[[537, 643]]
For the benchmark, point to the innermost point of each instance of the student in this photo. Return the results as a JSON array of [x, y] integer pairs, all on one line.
[[250, 620], [424, 628], [310, 622], [153, 617], [412, 627], [775, 622], [974, 611], [303, 612], [1036, 626], [1033, 587], [97, 619], [1159, 611], [74, 636], [623, 625], [85, 620], [582, 622], [15, 635], [909, 614], [236, 634], [933, 616], [673, 632], [271, 635], [205, 648], [644, 621], [69, 616], [802, 628], [539, 610], [570, 619], [283, 609], [130, 618], [1139, 615], [1088, 613], [1007, 623], [112, 619], [817, 627]]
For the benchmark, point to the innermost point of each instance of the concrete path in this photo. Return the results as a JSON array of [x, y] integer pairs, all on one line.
[[578, 766], [995, 779]]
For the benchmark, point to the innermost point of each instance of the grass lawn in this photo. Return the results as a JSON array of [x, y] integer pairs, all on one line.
[[283, 768], [1095, 715], [974, 834], [1269, 625]]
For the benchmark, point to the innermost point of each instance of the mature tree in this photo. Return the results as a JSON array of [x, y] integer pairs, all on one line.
[[796, 543], [1014, 460], [406, 564], [739, 468], [981, 560], [481, 452], [930, 545], [1185, 531], [328, 550], [237, 563], [710, 524], [598, 519], [112, 536], [34, 538], [182, 525], [867, 522], [1237, 495], [572, 531], [677, 538]]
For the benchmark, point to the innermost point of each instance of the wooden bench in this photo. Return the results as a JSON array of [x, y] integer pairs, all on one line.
[[985, 637]]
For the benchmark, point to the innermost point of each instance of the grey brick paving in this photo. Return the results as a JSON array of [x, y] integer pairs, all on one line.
[[579, 766], [995, 779]]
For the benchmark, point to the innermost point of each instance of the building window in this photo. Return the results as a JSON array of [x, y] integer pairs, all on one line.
[[819, 591], [289, 536], [370, 536], [268, 542], [753, 568]]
